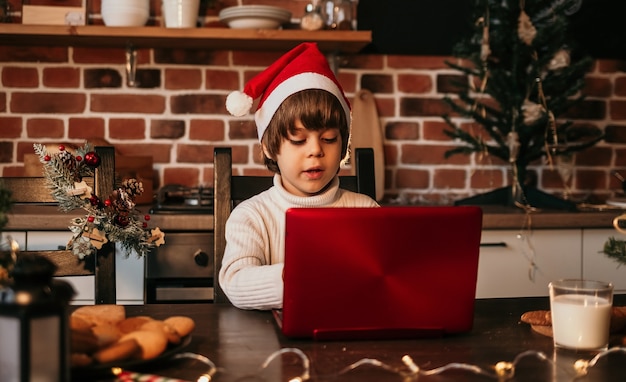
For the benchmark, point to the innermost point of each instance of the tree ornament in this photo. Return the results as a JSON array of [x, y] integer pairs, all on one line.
[[560, 60], [122, 220], [525, 29], [94, 200], [92, 159]]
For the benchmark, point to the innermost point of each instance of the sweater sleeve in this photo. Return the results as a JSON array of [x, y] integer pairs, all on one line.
[[248, 277]]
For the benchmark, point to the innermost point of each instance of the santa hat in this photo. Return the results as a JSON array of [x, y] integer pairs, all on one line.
[[303, 67]]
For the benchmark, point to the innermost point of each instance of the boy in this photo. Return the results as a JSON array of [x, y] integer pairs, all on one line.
[[303, 123]]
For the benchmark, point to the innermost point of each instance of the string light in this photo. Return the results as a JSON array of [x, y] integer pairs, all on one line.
[[501, 371]]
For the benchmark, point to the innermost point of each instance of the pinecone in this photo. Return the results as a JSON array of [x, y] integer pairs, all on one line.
[[67, 159], [121, 201], [133, 187]]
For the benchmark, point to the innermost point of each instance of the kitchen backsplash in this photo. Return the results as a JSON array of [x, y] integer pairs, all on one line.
[[177, 114]]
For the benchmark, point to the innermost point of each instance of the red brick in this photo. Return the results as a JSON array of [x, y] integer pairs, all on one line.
[[12, 53], [449, 178], [600, 87], [11, 127], [207, 130], [198, 104], [402, 130], [127, 103], [254, 58], [485, 179], [417, 62], [415, 83], [61, 77], [430, 154], [127, 128], [41, 102], [194, 153], [14, 77], [84, 55], [3, 102], [378, 83], [221, 79], [361, 61], [591, 179], [45, 128], [6, 152], [160, 152], [167, 129], [620, 157], [183, 79], [434, 131], [86, 128], [386, 107], [610, 66], [423, 107], [617, 109], [391, 155], [450, 83], [242, 129], [595, 156], [348, 81], [181, 175], [416, 179]]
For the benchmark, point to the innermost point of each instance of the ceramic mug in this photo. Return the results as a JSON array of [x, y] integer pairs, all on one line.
[[180, 13]]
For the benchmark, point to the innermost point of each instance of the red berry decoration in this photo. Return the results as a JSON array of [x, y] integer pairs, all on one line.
[[94, 200], [61, 148], [91, 219], [107, 202], [122, 220], [47, 158], [78, 158], [92, 159], [144, 225], [147, 218]]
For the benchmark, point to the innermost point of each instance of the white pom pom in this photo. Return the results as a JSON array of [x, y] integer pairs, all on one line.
[[238, 103]]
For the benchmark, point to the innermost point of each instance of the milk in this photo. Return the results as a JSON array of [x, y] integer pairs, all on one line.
[[581, 321]]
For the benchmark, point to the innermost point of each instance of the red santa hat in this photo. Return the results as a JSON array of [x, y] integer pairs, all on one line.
[[303, 67]]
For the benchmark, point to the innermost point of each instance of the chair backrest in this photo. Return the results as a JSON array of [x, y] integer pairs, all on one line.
[[229, 190], [102, 265]]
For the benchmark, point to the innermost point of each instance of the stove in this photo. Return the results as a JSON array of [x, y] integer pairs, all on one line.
[[181, 270], [175, 198]]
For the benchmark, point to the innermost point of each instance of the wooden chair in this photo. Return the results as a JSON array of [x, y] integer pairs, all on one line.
[[102, 265], [229, 190]]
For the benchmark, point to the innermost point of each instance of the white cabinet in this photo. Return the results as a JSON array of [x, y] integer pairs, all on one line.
[[598, 266], [129, 271], [505, 270]]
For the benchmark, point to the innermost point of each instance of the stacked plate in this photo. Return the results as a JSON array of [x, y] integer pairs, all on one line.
[[254, 17]]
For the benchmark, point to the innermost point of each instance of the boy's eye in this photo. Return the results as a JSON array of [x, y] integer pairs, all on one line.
[[330, 139], [297, 141]]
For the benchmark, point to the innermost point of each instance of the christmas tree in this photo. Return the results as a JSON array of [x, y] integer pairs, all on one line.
[[523, 74]]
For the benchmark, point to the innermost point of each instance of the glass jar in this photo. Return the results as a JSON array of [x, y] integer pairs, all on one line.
[[312, 19], [337, 14]]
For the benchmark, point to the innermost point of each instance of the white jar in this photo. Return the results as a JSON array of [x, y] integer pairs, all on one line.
[[125, 13], [180, 13]]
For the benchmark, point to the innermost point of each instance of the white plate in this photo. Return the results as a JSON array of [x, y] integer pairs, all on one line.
[[618, 202], [254, 17]]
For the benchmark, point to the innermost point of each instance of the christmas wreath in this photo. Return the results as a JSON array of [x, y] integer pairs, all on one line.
[[112, 218]]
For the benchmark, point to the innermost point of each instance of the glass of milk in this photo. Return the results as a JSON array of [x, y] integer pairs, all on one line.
[[581, 313]]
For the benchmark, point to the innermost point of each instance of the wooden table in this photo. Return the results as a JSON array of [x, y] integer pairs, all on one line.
[[238, 342]]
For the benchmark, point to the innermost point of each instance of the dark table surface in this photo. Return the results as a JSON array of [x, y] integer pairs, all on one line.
[[239, 342]]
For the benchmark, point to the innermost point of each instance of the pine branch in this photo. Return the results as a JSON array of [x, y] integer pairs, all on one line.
[[615, 249]]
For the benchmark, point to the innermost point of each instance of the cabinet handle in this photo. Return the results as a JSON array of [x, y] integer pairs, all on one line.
[[498, 244]]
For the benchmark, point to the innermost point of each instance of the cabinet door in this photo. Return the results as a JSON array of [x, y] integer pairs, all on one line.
[[504, 267], [129, 270], [598, 266], [52, 240]]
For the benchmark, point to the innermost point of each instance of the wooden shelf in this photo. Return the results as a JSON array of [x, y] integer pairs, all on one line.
[[194, 38]]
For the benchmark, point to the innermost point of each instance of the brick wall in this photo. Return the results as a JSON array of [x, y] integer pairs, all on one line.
[[177, 115]]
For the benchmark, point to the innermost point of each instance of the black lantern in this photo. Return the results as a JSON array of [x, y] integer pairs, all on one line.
[[34, 323]]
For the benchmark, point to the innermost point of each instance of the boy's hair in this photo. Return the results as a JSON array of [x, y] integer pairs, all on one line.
[[317, 109]]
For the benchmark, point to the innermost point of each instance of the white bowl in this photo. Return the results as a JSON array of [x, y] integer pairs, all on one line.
[[254, 17], [128, 13]]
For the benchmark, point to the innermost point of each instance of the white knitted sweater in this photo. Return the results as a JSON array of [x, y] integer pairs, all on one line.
[[251, 274]]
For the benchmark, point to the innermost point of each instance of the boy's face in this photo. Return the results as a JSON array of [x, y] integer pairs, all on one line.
[[308, 160]]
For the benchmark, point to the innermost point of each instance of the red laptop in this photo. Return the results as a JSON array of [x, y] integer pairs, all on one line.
[[380, 273]]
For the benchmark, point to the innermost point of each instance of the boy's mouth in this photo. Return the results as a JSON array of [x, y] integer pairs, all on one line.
[[313, 172]]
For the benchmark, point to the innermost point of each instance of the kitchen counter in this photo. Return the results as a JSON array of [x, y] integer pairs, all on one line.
[[49, 218]]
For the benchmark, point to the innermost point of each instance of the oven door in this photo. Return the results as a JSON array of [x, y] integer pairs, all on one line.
[[181, 270]]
